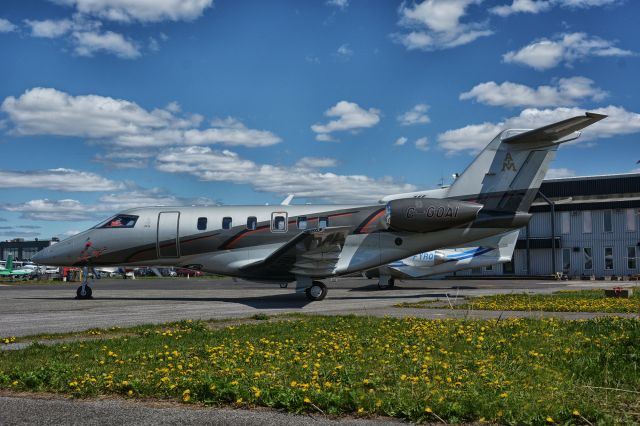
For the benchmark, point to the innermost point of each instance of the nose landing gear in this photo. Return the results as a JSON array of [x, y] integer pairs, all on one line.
[[84, 291]]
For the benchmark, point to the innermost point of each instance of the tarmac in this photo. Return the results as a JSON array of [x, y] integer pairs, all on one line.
[[29, 309]]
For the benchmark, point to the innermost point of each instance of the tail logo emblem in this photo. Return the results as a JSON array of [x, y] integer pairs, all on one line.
[[508, 163]]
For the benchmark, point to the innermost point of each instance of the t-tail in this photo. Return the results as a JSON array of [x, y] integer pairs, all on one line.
[[507, 174], [9, 265]]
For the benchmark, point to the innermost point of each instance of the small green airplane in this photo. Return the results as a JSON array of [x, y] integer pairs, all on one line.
[[8, 271]]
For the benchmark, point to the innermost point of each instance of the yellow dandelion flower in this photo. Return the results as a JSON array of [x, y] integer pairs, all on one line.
[[360, 410], [307, 400], [130, 393], [503, 395], [576, 413], [428, 410], [549, 419]]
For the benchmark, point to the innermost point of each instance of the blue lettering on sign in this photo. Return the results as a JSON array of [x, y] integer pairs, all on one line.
[[430, 255]]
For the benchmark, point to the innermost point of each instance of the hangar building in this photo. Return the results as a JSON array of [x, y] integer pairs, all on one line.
[[594, 231], [21, 249]]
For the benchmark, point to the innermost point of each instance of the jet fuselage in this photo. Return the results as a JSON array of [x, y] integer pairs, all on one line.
[[226, 239]]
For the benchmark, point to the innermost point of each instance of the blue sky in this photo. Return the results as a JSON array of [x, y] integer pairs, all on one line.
[[106, 105]]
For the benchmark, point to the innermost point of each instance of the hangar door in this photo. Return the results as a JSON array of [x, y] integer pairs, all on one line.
[[168, 234]]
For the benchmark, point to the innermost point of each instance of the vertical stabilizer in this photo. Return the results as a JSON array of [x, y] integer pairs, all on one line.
[[9, 265], [508, 172]]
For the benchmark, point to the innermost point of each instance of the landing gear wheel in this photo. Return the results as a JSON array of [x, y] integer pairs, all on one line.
[[86, 295], [386, 284], [317, 291]]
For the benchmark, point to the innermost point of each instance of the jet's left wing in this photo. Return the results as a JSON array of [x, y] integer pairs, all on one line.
[[313, 252]]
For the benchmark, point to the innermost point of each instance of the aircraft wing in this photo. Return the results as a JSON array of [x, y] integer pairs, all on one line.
[[313, 252], [552, 133]]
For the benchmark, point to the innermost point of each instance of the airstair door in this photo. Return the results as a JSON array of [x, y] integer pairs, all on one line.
[[168, 223]]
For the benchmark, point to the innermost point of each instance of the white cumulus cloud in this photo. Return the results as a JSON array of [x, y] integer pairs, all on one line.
[[436, 24], [57, 180], [416, 115], [302, 180], [140, 10], [316, 162], [400, 141], [344, 51], [561, 172], [474, 137], [565, 48], [6, 26], [422, 144], [566, 91], [348, 116], [89, 42], [342, 4], [74, 210], [537, 6], [47, 111], [49, 28]]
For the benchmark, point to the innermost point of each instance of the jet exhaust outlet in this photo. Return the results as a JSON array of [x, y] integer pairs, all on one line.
[[429, 214]]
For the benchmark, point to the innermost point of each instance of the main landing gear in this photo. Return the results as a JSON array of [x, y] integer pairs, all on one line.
[[317, 291], [386, 282], [314, 290], [84, 291]]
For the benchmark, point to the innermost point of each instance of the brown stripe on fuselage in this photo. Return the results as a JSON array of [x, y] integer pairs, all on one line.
[[363, 227]]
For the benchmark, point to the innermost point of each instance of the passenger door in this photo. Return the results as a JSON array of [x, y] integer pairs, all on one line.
[[167, 242]]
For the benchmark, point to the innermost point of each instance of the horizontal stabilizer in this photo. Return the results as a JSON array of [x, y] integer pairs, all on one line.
[[556, 131]]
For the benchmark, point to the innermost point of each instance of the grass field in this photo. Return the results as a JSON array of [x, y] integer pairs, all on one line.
[[562, 301], [508, 371]]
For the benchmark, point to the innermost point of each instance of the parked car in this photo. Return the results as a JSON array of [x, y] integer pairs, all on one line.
[[183, 272]]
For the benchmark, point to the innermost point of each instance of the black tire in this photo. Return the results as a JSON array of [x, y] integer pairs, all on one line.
[[317, 291], [87, 294]]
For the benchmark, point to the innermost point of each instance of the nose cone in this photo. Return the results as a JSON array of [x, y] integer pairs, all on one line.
[[60, 254]]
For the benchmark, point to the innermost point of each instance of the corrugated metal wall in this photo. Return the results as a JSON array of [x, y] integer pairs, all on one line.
[[619, 239]]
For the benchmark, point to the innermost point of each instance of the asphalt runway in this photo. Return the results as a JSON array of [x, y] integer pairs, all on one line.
[[27, 309]]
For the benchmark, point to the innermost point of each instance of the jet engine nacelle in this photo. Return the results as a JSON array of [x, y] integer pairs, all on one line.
[[429, 214]]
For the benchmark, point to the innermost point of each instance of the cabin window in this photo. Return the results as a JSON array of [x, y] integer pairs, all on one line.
[[302, 222], [279, 222], [252, 222], [323, 222], [226, 223], [121, 221], [202, 224]]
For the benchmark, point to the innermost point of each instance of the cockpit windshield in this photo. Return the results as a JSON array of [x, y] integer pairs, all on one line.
[[120, 221]]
